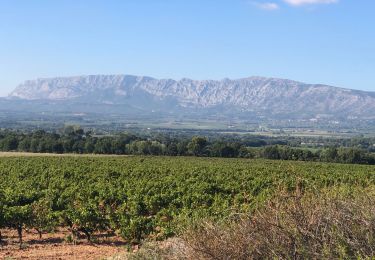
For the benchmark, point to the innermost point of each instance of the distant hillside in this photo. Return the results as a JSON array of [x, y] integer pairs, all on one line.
[[265, 96]]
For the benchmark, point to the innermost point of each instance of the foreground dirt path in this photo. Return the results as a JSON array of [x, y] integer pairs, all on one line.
[[54, 246]]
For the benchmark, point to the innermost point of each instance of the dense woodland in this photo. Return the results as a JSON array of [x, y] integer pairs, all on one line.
[[75, 140]]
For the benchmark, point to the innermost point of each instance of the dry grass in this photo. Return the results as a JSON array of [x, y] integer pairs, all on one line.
[[292, 226]]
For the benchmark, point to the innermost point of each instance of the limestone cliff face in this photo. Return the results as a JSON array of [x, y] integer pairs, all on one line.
[[247, 94]]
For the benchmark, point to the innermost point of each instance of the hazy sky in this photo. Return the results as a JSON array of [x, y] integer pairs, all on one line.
[[314, 41]]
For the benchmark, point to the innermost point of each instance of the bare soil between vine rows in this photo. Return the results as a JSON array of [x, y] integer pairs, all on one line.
[[55, 246]]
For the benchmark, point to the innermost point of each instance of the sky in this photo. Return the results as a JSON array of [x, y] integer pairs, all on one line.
[[314, 41]]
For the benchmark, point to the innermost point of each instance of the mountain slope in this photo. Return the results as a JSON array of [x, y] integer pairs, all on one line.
[[268, 96]]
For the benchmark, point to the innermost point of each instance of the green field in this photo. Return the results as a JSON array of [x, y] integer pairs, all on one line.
[[150, 197]]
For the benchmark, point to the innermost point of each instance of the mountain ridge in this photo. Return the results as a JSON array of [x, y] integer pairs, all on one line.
[[270, 96]]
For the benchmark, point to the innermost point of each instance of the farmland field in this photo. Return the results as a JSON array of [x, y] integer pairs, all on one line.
[[136, 198]]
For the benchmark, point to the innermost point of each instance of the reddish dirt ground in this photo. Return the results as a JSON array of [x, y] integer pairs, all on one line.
[[54, 246]]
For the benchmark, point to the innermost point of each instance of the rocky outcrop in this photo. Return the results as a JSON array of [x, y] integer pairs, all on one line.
[[253, 94]]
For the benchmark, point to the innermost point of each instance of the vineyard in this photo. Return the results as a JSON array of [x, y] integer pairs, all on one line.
[[149, 197]]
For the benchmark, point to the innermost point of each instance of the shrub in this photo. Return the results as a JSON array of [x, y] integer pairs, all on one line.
[[292, 226]]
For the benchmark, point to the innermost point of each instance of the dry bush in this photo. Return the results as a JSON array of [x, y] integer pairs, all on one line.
[[291, 226], [172, 249]]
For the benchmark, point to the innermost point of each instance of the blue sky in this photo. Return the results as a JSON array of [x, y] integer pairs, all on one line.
[[314, 41]]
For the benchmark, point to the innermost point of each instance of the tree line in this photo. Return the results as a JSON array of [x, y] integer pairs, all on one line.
[[76, 140]]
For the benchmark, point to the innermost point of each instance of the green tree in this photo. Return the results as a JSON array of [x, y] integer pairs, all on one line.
[[198, 146]]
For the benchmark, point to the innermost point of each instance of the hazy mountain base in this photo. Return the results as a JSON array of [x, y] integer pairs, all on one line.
[[52, 115]]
